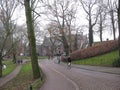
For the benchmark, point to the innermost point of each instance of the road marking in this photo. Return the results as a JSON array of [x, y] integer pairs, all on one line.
[[74, 84]]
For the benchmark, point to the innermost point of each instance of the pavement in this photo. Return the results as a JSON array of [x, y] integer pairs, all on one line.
[[4, 80], [79, 77], [54, 79], [111, 70], [9, 77]]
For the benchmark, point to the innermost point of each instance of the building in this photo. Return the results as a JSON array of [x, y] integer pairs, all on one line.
[[52, 46]]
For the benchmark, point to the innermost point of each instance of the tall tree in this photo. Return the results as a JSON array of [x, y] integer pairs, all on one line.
[[69, 20], [32, 41], [112, 11], [7, 9], [102, 19], [54, 36], [89, 7], [60, 12], [119, 25]]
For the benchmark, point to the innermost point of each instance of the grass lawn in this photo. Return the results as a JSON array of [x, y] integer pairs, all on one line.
[[42, 57], [102, 60], [23, 80], [10, 67], [39, 57]]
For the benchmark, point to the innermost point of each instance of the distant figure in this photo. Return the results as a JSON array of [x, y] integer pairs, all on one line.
[[69, 59], [59, 57], [21, 57], [18, 61], [21, 61], [4, 66], [49, 56], [69, 62], [107, 39]]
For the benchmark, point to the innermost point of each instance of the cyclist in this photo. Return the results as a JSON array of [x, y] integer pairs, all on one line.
[[69, 62]]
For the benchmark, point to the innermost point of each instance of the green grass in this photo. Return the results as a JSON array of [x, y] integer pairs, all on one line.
[[42, 57], [37, 84], [39, 57], [10, 67], [102, 60], [23, 80]]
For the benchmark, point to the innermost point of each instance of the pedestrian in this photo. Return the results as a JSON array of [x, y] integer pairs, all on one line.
[[18, 61], [49, 57], [4, 66], [59, 57], [21, 61]]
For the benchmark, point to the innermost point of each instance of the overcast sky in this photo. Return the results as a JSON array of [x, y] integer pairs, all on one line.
[[81, 20]]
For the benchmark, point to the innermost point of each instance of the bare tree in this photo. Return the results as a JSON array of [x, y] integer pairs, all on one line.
[[7, 9], [53, 35], [119, 25], [69, 19], [112, 12], [90, 8], [102, 18], [61, 12], [32, 40]]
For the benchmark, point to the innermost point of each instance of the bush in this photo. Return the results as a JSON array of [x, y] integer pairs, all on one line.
[[98, 49], [116, 63]]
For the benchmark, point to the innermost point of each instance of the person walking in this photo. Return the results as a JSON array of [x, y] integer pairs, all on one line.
[[59, 57]]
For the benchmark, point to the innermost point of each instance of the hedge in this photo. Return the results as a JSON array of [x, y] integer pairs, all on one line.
[[95, 50]]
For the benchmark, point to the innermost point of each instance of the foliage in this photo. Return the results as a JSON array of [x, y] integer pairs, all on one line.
[[98, 49], [10, 67], [23, 80], [42, 57], [37, 84], [102, 60], [116, 62]]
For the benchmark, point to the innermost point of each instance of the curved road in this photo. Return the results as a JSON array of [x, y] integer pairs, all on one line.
[[58, 77]]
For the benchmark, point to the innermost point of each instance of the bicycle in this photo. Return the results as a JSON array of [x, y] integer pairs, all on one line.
[[69, 62], [58, 61], [68, 65]]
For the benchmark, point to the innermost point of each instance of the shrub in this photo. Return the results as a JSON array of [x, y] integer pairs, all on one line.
[[116, 63], [95, 50]]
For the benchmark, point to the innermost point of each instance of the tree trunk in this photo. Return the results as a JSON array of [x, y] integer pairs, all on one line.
[[76, 42], [0, 65], [101, 36], [90, 36], [70, 40], [101, 28], [113, 23], [90, 32], [31, 37], [14, 57], [65, 43], [119, 25]]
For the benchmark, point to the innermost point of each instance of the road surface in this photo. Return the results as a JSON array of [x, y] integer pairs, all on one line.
[[59, 77]]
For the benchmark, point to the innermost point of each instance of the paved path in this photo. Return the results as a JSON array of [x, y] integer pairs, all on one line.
[[12, 75], [58, 77], [55, 79], [111, 70], [9, 77]]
